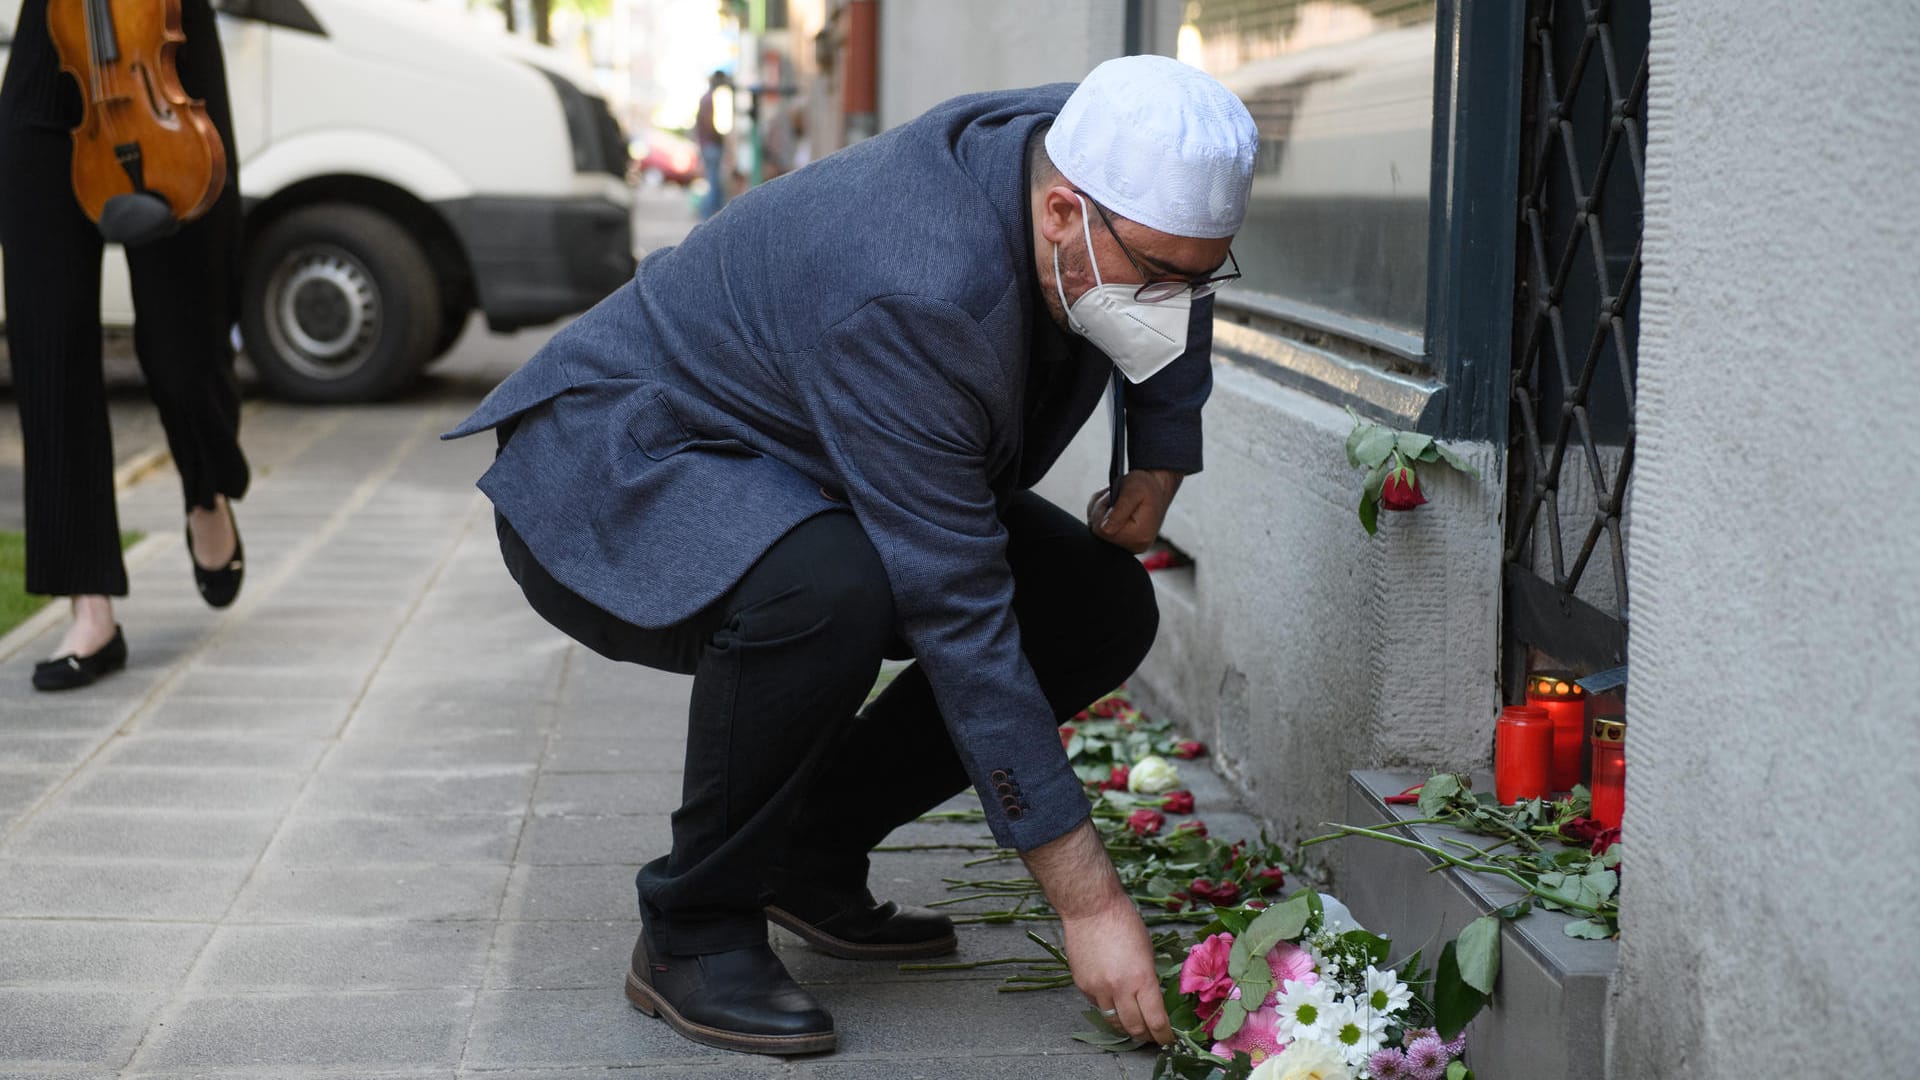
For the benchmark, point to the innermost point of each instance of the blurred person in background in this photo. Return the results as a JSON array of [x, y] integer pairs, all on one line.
[[709, 134], [804, 441], [183, 293]]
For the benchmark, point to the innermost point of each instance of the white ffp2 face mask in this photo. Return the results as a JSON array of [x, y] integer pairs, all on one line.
[[1139, 338]]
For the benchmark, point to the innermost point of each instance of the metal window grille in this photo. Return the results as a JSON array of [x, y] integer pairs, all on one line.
[[1576, 326]]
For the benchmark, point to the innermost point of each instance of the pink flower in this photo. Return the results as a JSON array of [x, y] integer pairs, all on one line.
[[1178, 802], [1145, 822], [1205, 970], [1259, 1037], [1290, 961]]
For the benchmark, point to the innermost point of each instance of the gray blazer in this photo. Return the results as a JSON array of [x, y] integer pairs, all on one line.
[[866, 333]]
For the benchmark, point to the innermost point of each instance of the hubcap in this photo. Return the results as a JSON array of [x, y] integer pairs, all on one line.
[[323, 312]]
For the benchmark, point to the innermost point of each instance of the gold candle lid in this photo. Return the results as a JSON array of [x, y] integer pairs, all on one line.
[[1555, 685], [1610, 729]]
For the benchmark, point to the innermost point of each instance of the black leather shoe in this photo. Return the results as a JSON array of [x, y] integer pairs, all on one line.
[[74, 672], [219, 587], [857, 928], [741, 1000]]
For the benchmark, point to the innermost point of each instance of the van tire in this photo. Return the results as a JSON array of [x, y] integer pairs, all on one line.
[[338, 304]]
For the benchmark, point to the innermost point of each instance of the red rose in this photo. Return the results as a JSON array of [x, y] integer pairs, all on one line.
[[1116, 780], [1187, 751], [1158, 560], [1270, 879], [1177, 900], [1066, 735], [1257, 905], [1219, 894], [1107, 708], [1605, 839], [1401, 491], [1178, 802], [1196, 827], [1582, 830], [1145, 822]]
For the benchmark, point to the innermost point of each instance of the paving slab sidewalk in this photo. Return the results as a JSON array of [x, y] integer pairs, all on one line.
[[378, 819]]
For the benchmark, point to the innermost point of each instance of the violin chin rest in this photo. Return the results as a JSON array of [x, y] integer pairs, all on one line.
[[137, 219]]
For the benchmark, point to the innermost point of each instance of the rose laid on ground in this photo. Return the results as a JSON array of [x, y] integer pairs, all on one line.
[[1152, 775], [1190, 749], [1196, 827], [1145, 822], [1217, 893], [1066, 735], [1116, 779], [1401, 491], [1178, 802], [1270, 879]]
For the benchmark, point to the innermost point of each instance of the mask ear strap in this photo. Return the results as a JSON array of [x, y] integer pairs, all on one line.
[[1086, 228]]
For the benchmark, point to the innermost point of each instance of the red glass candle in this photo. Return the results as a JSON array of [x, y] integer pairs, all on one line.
[[1522, 754], [1609, 769], [1566, 705]]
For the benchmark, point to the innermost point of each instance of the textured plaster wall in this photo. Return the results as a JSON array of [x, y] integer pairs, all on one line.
[[1296, 646], [1768, 903], [931, 50]]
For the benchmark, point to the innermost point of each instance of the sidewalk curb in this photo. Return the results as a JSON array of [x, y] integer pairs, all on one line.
[[136, 469]]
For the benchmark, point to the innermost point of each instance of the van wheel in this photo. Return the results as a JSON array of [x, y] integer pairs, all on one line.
[[339, 304]]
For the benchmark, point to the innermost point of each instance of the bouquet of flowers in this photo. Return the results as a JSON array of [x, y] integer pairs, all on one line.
[[1297, 992]]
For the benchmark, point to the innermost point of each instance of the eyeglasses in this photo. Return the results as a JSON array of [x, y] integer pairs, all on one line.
[[1154, 291]]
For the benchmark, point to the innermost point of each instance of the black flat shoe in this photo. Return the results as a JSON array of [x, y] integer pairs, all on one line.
[[857, 928], [219, 587], [73, 672], [742, 1000]]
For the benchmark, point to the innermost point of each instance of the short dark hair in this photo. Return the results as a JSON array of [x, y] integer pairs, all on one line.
[[1041, 170]]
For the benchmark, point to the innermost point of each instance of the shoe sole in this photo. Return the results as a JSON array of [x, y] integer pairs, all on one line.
[[852, 950], [642, 997]]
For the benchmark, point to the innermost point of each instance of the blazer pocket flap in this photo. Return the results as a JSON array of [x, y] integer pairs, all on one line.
[[655, 430]]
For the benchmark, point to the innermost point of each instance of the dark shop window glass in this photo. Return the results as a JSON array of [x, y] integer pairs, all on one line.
[[1342, 92]]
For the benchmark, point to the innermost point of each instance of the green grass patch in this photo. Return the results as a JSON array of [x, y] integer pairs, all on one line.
[[16, 604]]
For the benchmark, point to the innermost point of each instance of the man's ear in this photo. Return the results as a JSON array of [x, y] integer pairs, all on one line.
[[1058, 208]]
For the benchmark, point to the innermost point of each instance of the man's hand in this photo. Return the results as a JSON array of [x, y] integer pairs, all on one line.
[[1107, 943], [1133, 521]]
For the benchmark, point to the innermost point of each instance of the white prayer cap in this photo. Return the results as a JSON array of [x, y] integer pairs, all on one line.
[[1160, 142]]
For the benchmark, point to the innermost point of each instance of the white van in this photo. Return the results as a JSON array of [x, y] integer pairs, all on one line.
[[401, 167]]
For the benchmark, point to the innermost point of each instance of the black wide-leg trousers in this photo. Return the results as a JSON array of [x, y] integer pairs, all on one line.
[[789, 784], [184, 306]]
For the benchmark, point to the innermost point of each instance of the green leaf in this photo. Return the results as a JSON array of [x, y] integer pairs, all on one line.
[[1412, 444], [1435, 793], [1377, 478], [1360, 429], [1234, 921], [1232, 1014], [1281, 922], [1075, 744], [1456, 461], [1454, 1002], [1514, 910], [1369, 514], [1478, 956], [1457, 1070], [1599, 882], [1590, 929], [1373, 945], [1373, 446]]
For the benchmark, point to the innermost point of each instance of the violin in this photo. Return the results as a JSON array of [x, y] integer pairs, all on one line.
[[146, 157]]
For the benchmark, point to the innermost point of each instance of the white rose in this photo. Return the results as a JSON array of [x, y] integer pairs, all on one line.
[[1304, 1059], [1152, 775]]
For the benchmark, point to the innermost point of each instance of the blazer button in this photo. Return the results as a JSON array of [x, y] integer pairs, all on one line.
[[1005, 789], [1013, 813], [999, 776]]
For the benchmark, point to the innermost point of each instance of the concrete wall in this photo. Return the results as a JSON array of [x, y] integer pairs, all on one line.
[[931, 50], [1298, 647], [1770, 928]]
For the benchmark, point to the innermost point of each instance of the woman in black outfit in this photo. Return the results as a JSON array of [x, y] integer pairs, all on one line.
[[183, 294]]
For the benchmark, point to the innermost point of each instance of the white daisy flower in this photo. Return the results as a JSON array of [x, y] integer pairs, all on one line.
[[1304, 1008], [1384, 993], [1357, 1033]]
